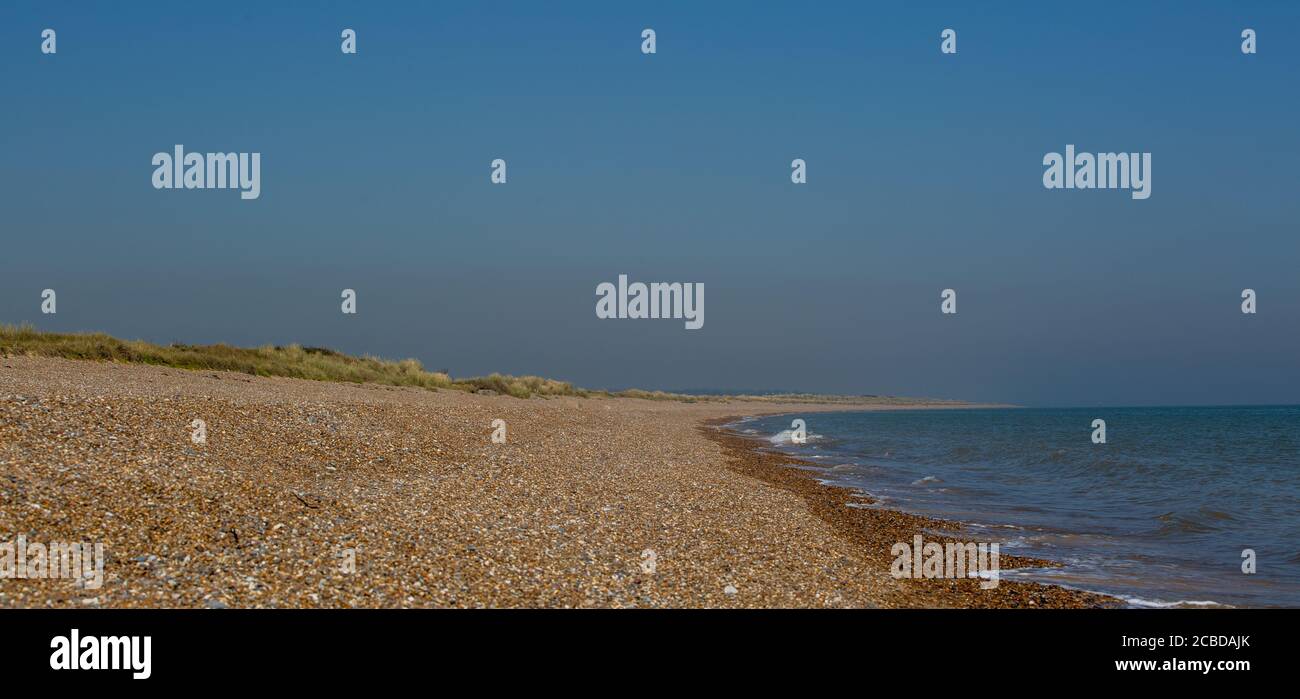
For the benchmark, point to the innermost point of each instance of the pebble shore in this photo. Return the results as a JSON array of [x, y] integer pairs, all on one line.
[[312, 494]]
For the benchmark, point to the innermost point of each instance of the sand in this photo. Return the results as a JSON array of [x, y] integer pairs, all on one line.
[[312, 494]]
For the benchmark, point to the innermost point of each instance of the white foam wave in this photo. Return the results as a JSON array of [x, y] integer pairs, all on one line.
[[1154, 603]]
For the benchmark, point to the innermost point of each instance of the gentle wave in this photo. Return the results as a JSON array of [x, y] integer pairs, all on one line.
[[1167, 509]]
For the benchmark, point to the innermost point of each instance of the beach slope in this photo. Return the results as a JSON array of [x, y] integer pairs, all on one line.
[[318, 494]]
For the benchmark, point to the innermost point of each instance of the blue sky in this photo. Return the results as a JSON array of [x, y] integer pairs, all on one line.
[[924, 173]]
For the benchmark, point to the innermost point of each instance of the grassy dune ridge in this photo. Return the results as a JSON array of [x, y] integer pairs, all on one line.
[[320, 364]]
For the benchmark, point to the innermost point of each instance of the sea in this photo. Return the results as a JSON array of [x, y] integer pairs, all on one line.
[[1169, 511]]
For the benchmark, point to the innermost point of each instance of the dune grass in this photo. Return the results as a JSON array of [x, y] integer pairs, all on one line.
[[320, 364], [294, 361]]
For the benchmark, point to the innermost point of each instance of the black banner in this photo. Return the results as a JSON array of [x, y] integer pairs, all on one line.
[[527, 649]]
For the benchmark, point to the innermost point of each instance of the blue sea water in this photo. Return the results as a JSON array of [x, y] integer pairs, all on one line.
[[1159, 515]]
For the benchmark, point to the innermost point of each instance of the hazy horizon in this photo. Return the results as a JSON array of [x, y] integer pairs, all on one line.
[[924, 173]]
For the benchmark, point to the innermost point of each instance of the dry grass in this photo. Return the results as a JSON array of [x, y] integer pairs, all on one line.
[[294, 361], [320, 364]]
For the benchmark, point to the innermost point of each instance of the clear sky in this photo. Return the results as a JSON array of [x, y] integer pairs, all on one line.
[[924, 173]]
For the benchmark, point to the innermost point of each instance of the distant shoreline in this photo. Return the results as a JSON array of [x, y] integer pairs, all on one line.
[[324, 364]]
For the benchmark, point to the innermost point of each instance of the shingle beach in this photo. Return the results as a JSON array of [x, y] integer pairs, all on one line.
[[316, 494]]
